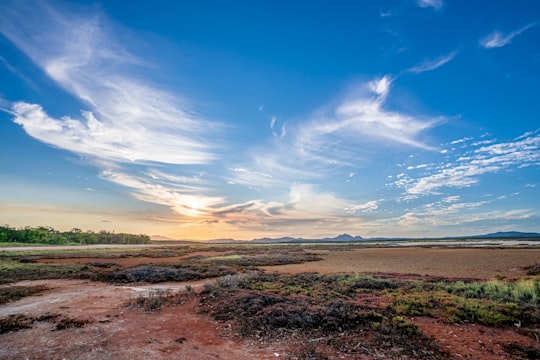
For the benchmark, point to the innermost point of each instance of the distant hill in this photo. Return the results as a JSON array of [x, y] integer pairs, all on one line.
[[223, 241], [507, 234], [339, 238], [159, 237], [343, 238]]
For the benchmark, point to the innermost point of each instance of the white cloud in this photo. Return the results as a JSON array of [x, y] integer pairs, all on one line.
[[451, 199], [366, 207], [440, 214], [361, 119], [174, 197], [433, 64], [435, 4], [459, 141], [118, 141], [467, 169], [128, 119], [498, 39]]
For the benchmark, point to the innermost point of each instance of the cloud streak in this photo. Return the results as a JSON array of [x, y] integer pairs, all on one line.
[[128, 119], [466, 170], [435, 4], [498, 39], [432, 64], [364, 119]]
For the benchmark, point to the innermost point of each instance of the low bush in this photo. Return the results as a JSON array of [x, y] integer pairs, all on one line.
[[10, 293], [522, 352], [533, 269], [524, 291], [454, 308], [66, 323], [151, 274], [14, 323], [156, 299]]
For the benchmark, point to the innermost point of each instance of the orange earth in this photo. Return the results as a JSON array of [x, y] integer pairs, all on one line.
[[116, 331]]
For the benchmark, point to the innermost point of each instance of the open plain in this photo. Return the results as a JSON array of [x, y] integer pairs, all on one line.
[[308, 301]]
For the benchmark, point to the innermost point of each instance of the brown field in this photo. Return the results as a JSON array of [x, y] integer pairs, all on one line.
[[447, 262], [101, 325]]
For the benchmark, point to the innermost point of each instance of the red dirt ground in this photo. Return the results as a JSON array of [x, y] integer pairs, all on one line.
[[472, 341], [116, 331]]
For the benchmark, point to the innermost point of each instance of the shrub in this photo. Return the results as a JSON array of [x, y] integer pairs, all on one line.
[[151, 274], [66, 323], [14, 323], [156, 299], [17, 292], [520, 291], [533, 269]]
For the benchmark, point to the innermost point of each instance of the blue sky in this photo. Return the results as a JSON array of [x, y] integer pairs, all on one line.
[[245, 119]]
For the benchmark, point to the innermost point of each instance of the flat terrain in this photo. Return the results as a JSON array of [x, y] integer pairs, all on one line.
[[447, 262], [77, 317]]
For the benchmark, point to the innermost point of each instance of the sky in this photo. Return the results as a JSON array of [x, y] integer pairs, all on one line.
[[248, 119]]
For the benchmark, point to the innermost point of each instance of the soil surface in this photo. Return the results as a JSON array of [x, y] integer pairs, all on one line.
[[113, 330], [446, 262]]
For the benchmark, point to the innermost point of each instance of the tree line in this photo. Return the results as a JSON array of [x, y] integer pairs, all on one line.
[[49, 235]]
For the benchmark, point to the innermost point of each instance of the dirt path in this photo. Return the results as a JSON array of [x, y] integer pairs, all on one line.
[[447, 262], [115, 331]]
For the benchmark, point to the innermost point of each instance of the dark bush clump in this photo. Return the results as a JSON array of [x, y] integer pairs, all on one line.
[[18, 292], [523, 352], [270, 312], [151, 274], [14, 323], [533, 269], [370, 283]]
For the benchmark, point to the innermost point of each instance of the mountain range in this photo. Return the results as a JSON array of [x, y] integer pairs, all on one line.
[[349, 238]]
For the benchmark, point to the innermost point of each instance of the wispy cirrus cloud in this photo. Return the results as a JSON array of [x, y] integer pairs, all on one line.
[[174, 196], [334, 138], [440, 214], [363, 117], [434, 4], [498, 39], [302, 207], [432, 64], [127, 119], [467, 168]]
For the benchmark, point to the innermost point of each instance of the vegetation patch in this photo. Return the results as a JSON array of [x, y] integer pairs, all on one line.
[[151, 274], [12, 270], [327, 312], [14, 323], [10, 293], [156, 299], [48, 235], [320, 286], [493, 303], [328, 321], [533, 269], [253, 261], [522, 352], [66, 323], [18, 322]]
